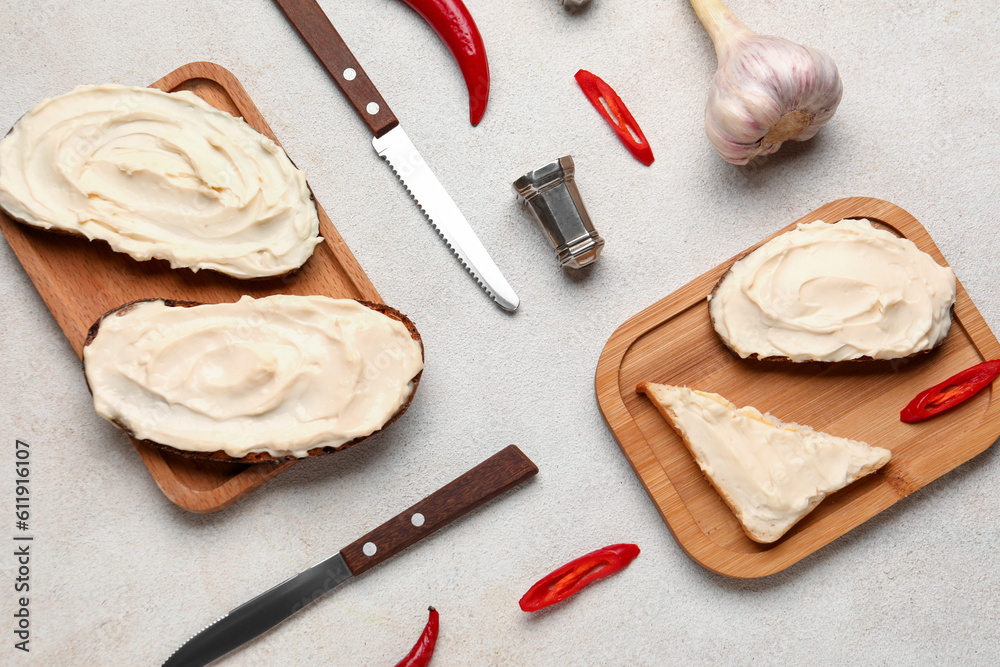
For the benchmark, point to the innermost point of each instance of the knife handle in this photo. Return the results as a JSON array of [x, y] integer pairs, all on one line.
[[497, 474], [324, 40]]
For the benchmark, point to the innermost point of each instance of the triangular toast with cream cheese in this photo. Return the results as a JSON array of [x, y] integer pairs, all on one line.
[[770, 473]]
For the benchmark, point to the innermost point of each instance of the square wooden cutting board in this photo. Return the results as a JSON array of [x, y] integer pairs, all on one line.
[[81, 280], [673, 342]]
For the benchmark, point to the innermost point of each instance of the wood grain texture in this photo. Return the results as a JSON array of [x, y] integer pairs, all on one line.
[[79, 280], [494, 476], [673, 342], [325, 42]]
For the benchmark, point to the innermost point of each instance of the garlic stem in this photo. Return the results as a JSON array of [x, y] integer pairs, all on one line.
[[721, 25], [766, 90]]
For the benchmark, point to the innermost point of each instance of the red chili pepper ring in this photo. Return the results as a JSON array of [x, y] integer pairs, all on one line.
[[951, 392], [577, 575], [613, 110]]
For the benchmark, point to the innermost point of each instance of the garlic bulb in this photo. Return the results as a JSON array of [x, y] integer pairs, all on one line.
[[767, 89]]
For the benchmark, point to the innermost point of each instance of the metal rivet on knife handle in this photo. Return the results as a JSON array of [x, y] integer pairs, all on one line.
[[553, 197]]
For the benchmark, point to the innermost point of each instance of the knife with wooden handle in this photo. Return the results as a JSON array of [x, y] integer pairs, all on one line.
[[497, 474], [391, 143]]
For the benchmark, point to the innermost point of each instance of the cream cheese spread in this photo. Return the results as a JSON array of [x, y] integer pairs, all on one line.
[[832, 292], [281, 374], [770, 473], [159, 175]]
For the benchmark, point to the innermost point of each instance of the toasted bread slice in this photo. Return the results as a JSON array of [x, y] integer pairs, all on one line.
[[770, 473], [263, 456]]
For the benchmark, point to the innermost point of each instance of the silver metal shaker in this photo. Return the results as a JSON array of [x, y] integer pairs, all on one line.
[[553, 197]]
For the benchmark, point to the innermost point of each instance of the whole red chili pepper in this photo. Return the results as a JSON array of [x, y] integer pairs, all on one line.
[[951, 392], [576, 575], [605, 99], [454, 25], [421, 653]]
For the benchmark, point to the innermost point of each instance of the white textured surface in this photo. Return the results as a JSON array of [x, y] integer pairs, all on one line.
[[121, 576]]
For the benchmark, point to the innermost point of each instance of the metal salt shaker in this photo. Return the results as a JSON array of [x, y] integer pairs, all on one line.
[[553, 197]]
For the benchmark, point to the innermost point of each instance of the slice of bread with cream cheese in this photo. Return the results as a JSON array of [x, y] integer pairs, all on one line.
[[770, 473], [159, 176], [834, 292], [276, 378]]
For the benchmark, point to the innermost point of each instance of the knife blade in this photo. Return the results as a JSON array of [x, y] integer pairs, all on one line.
[[494, 476], [391, 143]]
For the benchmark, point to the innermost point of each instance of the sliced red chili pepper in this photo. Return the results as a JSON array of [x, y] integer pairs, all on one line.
[[577, 575], [951, 392], [454, 25], [611, 107], [422, 652]]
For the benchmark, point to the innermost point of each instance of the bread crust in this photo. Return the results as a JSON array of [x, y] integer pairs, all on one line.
[[264, 457], [737, 510]]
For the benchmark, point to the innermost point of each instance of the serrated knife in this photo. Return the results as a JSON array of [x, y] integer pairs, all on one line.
[[497, 474], [391, 143]]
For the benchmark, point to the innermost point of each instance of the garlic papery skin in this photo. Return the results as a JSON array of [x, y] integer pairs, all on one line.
[[767, 90]]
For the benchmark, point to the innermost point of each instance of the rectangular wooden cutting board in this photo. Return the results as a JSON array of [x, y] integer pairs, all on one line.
[[80, 280], [673, 342]]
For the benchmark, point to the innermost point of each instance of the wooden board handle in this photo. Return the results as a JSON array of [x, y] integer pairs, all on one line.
[[497, 474], [324, 40]]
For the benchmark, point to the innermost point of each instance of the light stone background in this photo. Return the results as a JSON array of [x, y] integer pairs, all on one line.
[[121, 576]]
